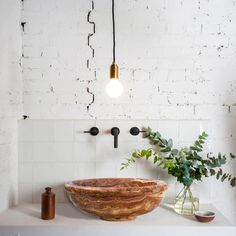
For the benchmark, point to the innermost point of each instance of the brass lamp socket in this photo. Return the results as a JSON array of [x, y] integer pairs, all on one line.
[[114, 71]]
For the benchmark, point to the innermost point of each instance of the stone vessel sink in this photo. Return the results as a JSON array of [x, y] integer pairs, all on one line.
[[116, 199]]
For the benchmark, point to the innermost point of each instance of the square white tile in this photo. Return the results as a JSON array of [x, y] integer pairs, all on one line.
[[86, 170], [63, 152], [43, 152], [25, 172], [64, 130], [25, 151], [43, 130], [106, 169], [84, 151], [25, 130], [25, 193], [105, 151]]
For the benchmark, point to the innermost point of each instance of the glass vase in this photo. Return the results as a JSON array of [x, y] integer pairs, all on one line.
[[186, 200]]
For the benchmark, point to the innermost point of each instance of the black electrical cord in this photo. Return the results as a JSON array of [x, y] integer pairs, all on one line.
[[114, 35]]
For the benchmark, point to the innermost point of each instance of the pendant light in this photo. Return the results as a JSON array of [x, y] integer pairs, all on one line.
[[114, 87]]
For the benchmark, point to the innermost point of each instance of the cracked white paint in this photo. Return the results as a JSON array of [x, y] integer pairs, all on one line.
[[90, 59]]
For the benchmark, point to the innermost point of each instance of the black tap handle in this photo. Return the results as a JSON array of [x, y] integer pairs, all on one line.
[[93, 131], [115, 132], [135, 131]]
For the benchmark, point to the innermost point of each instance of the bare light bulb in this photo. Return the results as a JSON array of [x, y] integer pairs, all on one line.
[[114, 88]]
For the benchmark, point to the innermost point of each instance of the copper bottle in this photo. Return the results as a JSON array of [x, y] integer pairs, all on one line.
[[48, 204]]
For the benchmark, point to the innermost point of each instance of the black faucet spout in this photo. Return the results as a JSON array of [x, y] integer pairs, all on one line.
[[115, 132]]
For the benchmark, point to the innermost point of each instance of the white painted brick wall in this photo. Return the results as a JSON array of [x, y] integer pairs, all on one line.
[[180, 54], [10, 99]]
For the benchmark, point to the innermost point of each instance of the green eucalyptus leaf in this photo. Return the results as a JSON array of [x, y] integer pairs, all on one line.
[[219, 173], [155, 159], [135, 155], [161, 145], [194, 148], [149, 153], [212, 172], [201, 141], [170, 143], [165, 142], [166, 149], [232, 156], [174, 152], [223, 177], [143, 153], [233, 182], [148, 132], [197, 143], [157, 135]]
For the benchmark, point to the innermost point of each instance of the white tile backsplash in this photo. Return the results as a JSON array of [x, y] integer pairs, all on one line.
[[146, 169], [25, 193], [25, 172], [53, 172], [64, 151], [85, 170], [105, 151], [53, 152], [64, 130], [43, 151], [106, 169], [84, 151], [25, 130], [43, 130], [130, 172], [25, 152]]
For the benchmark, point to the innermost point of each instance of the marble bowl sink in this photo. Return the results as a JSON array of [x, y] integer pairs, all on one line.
[[116, 199]]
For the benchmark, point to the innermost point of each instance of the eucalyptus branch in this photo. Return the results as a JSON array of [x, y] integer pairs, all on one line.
[[187, 163]]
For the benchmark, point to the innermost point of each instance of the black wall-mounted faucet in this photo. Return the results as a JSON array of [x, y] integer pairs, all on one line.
[[93, 131], [135, 131], [115, 132]]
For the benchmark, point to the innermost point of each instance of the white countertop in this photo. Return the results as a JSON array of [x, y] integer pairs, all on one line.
[[24, 220]]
